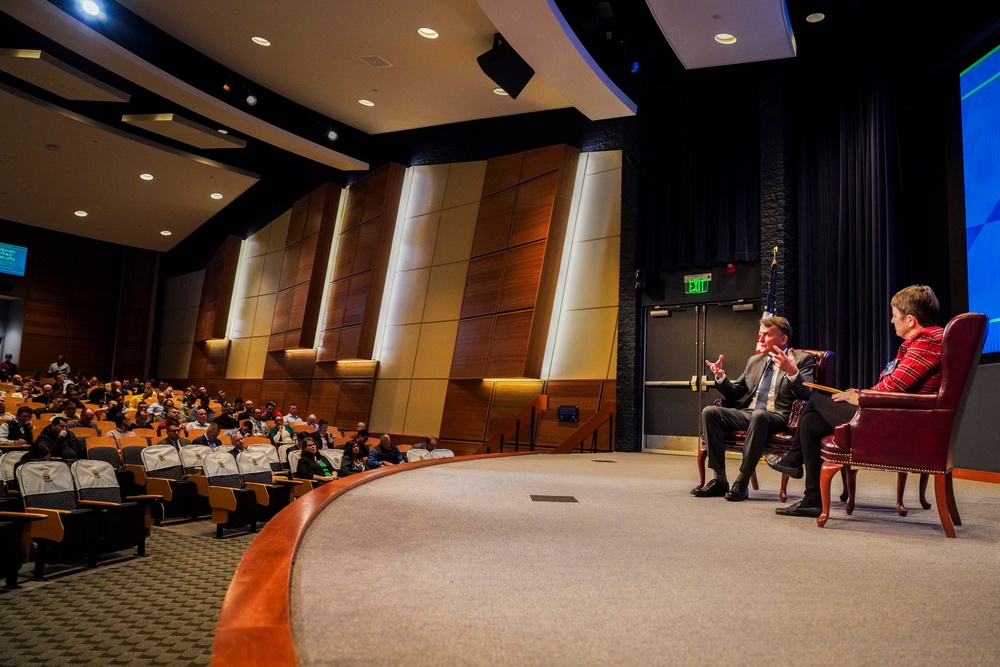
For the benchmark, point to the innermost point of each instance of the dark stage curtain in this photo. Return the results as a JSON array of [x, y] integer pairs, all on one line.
[[699, 192], [848, 203]]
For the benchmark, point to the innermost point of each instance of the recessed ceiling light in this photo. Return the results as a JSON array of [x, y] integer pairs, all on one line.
[[429, 33], [91, 7], [260, 41], [146, 177], [366, 103], [500, 91], [251, 100], [166, 232], [222, 131], [815, 18], [216, 195], [80, 214], [725, 38], [332, 135]]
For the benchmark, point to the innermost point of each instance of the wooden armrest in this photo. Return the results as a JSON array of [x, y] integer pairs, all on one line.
[[99, 503], [160, 487], [21, 516], [222, 497], [46, 511], [288, 482], [49, 528], [261, 491], [144, 496], [201, 482]]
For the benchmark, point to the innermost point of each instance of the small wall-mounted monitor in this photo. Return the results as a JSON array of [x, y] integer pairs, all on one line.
[[13, 259], [568, 413]]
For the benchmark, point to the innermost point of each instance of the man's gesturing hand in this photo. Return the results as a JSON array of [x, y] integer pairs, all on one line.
[[784, 360], [716, 368]]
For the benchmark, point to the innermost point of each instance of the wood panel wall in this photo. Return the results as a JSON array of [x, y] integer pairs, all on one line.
[[514, 268], [85, 299]]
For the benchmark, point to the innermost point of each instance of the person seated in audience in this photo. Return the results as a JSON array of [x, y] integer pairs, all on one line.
[[115, 393], [39, 451], [210, 438], [257, 422], [69, 410], [311, 465], [203, 404], [142, 418], [97, 394], [268, 414], [17, 431], [88, 419], [384, 453], [8, 368], [173, 416], [226, 421], [280, 433], [61, 441], [122, 429], [59, 368], [293, 415], [174, 437], [323, 435], [915, 370], [355, 459], [247, 412], [114, 409], [236, 440], [141, 399], [237, 405], [200, 420], [45, 398], [4, 415], [158, 407], [429, 443], [54, 407], [312, 421]]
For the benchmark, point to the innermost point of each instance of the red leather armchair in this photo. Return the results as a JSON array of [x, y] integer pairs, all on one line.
[[911, 432], [780, 441]]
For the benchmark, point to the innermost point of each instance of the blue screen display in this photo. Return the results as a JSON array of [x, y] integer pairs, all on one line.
[[980, 90], [13, 259]]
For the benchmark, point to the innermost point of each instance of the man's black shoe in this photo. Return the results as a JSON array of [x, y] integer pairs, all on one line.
[[774, 461], [737, 493], [713, 489], [797, 509]]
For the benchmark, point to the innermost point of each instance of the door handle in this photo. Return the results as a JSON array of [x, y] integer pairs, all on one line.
[[706, 383], [694, 383]]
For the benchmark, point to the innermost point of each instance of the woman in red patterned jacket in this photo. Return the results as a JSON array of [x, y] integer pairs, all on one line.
[[915, 370]]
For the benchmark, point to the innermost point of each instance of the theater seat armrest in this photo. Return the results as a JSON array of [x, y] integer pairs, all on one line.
[[261, 492], [143, 497], [49, 528], [222, 497], [287, 482], [21, 516], [99, 503], [885, 399]]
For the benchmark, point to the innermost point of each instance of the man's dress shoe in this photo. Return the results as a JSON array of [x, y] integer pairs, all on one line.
[[797, 509], [737, 493], [713, 489], [774, 461]]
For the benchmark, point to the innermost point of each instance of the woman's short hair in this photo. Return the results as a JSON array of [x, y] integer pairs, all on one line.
[[919, 301]]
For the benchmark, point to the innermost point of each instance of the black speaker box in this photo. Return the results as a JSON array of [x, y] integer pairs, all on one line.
[[507, 69]]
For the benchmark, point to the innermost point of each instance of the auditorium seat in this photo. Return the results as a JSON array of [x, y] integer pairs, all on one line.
[[273, 493], [124, 522], [232, 505], [165, 477]]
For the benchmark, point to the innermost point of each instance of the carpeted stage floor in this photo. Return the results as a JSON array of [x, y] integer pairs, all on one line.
[[456, 565]]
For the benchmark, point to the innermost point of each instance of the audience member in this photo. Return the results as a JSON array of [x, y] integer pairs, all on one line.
[[8, 368], [247, 412], [312, 421], [355, 459], [200, 420], [87, 420], [210, 438], [429, 443], [323, 435], [142, 418], [121, 430], [173, 416], [59, 368], [384, 453], [61, 441], [4, 415], [39, 451], [17, 431], [293, 415], [257, 424], [236, 440], [226, 420], [280, 433], [311, 465], [174, 437]]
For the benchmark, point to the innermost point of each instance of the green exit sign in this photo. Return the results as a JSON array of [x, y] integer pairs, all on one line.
[[697, 284]]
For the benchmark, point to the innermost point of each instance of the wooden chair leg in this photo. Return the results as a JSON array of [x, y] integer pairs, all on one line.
[[941, 495], [923, 493], [852, 489], [783, 494], [900, 488], [825, 478], [845, 494], [952, 506], [702, 455], [753, 481]]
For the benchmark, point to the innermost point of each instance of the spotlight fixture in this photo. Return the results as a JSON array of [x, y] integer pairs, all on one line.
[[366, 103], [429, 33], [80, 214], [500, 91], [216, 195], [90, 7], [223, 131], [260, 41], [815, 18], [166, 232], [146, 177], [251, 100], [725, 38], [331, 135]]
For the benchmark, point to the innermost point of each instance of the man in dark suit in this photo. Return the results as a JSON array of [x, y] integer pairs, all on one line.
[[174, 437], [210, 438], [761, 401]]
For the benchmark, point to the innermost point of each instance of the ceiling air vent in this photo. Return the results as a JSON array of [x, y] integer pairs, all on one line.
[[376, 61]]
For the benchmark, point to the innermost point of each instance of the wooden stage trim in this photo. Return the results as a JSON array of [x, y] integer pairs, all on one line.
[[255, 624], [976, 475]]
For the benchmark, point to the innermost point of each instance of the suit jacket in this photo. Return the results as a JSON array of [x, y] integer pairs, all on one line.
[[739, 392], [181, 442]]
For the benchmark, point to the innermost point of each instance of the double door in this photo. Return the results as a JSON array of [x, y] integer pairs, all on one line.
[[677, 383]]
